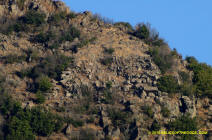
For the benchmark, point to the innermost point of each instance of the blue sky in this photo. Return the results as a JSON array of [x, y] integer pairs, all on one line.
[[185, 24]]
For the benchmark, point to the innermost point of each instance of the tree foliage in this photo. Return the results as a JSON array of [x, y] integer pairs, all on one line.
[[168, 84]]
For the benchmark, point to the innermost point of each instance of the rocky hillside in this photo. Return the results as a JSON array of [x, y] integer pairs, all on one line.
[[76, 76]]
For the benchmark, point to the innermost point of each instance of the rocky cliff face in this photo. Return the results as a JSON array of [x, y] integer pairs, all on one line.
[[111, 85]]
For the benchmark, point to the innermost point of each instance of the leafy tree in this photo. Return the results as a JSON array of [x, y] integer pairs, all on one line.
[[33, 18], [142, 31], [19, 130], [43, 83], [162, 58], [168, 84], [184, 123], [202, 78]]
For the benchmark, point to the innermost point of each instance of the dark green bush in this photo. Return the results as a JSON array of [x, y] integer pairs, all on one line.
[[23, 73], [43, 122], [87, 134], [165, 112], [107, 97], [124, 24], [44, 37], [51, 66], [184, 123], [109, 85], [43, 83], [17, 27], [13, 58], [107, 60], [57, 17], [18, 129], [187, 89], [109, 50], [118, 117], [155, 126], [75, 123], [33, 18], [40, 98], [71, 15], [142, 31], [184, 76], [202, 77], [24, 124], [162, 58], [70, 35], [148, 111], [168, 84], [149, 35]]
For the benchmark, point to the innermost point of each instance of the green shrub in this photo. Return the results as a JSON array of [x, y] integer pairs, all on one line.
[[40, 98], [43, 84], [71, 15], [75, 123], [44, 37], [165, 112], [109, 85], [184, 76], [124, 24], [57, 17], [201, 78], [184, 123], [162, 58], [44, 122], [149, 35], [33, 18], [155, 126], [70, 35], [23, 73], [17, 27], [107, 97], [168, 84], [187, 89], [52, 66], [118, 117], [142, 31], [87, 134], [109, 50], [24, 124], [18, 129], [13, 58], [148, 111], [107, 60], [32, 54]]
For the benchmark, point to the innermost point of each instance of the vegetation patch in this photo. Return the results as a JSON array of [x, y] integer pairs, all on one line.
[[25, 124], [165, 112], [184, 123], [148, 111], [149, 35], [162, 57], [33, 18], [168, 84], [13, 58], [107, 60], [119, 117], [202, 77]]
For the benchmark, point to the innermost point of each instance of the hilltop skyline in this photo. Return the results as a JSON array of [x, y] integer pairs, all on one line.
[[185, 25]]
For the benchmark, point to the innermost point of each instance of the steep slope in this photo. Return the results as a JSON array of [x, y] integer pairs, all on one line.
[[98, 80]]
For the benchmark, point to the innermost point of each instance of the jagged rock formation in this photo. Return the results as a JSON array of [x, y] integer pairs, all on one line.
[[123, 100]]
